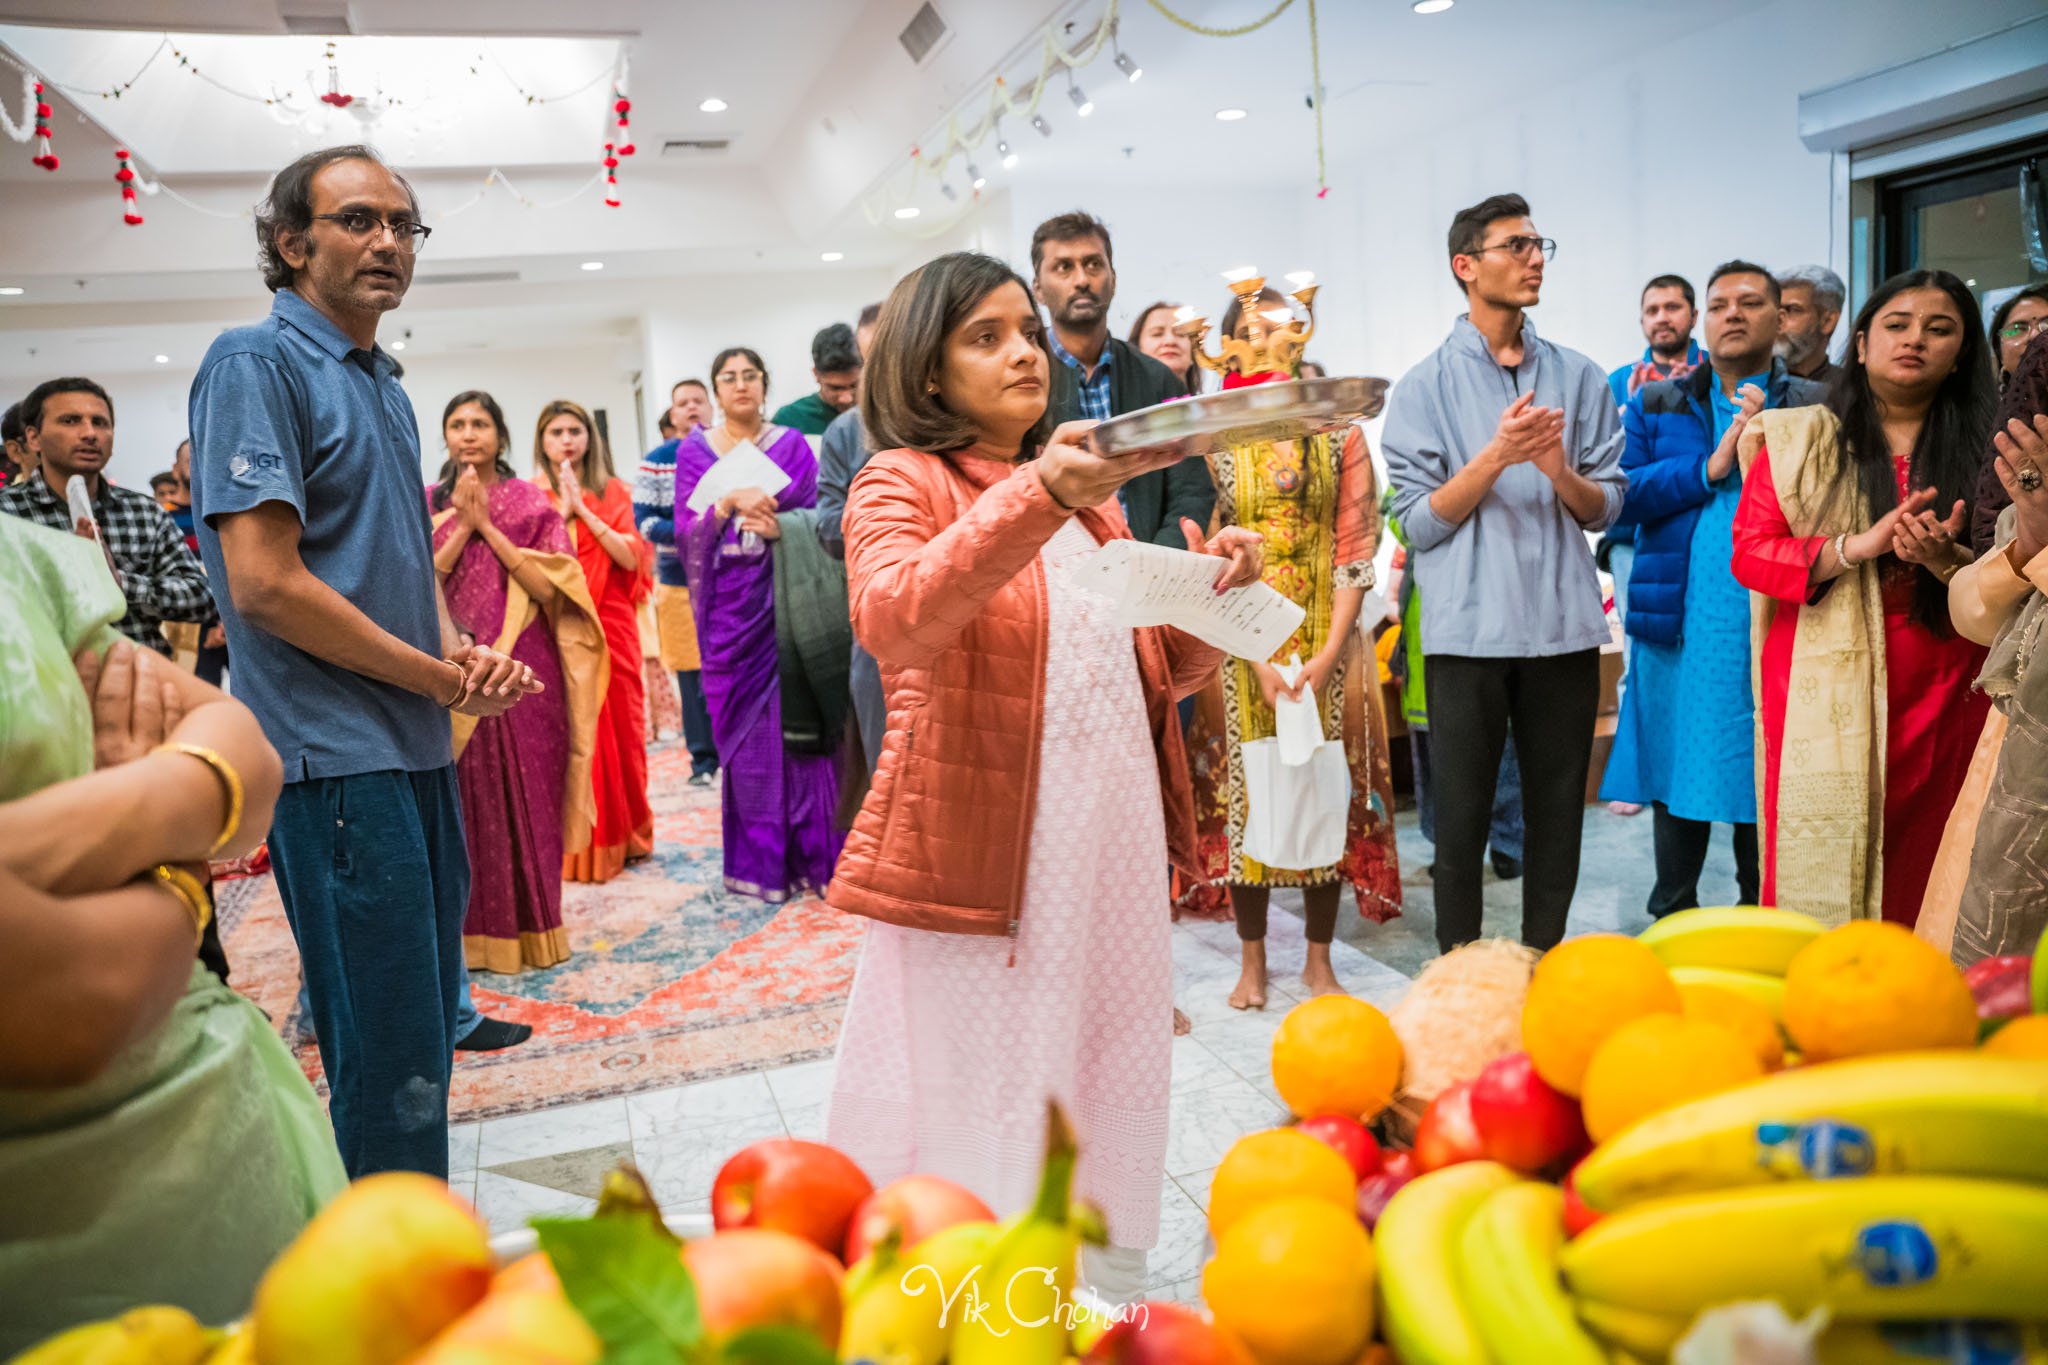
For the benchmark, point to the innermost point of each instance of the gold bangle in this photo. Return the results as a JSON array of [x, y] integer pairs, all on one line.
[[190, 893], [231, 785]]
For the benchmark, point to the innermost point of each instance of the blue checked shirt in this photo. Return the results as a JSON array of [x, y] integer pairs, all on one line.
[[1094, 389]]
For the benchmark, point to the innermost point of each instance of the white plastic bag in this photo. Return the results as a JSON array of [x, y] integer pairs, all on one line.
[[1297, 789]]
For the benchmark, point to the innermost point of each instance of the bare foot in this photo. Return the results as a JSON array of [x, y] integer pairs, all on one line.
[[1251, 985], [1181, 1023], [1317, 975]]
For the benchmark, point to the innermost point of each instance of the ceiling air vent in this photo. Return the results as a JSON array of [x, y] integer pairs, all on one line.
[[925, 34], [470, 277], [695, 146]]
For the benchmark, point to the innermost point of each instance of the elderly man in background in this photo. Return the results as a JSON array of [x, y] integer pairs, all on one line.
[[1813, 296]]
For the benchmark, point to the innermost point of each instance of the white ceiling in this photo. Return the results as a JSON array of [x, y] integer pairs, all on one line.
[[824, 108]]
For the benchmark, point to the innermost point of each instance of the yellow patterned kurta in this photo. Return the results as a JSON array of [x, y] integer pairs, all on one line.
[[1316, 503]]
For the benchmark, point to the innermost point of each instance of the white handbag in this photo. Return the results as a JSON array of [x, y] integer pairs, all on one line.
[[1297, 789]]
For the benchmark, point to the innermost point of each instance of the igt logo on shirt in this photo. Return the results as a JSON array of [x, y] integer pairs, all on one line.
[[241, 466]]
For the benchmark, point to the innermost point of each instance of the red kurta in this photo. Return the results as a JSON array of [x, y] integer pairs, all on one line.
[[1932, 715], [625, 824]]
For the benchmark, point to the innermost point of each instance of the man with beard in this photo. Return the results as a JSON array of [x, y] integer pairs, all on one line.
[[306, 488], [1073, 272], [1813, 296], [1684, 744], [1668, 314]]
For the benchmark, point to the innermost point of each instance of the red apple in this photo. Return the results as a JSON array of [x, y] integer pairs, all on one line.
[[1447, 1134], [1522, 1121], [1376, 1189], [1350, 1139], [1577, 1215], [793, 1186], [2002, 986], [914, 1207], [1166, 1334], [755, 1277]]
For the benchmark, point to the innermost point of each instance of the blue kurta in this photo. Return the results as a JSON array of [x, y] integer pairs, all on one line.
[[1686, 737]]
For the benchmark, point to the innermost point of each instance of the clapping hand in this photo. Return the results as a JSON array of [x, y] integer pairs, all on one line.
[[1749, 401], [1244, 551], [1528, 434], [1868, 545], [134, 702], [492, 683], [2022, 455], [1922, 538]]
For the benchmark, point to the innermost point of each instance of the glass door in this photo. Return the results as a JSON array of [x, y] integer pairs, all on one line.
[[1982, 218]]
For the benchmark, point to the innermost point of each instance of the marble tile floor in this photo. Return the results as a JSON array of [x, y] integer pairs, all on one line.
[[550, 1162]]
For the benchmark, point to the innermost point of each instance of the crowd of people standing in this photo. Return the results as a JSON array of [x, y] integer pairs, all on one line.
[[887, 657]]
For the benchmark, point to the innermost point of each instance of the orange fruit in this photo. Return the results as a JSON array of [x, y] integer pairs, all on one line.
[[1649, 1064], [1280, 1163], [1582, 991], [2023, 1037], [1748, 1018], [1336, 1055], [1868, 986], [1294, 1282]]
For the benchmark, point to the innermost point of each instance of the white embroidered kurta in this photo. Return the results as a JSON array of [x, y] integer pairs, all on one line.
[[947, 1054]]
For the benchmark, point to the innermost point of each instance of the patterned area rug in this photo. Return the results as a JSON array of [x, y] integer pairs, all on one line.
[[672, 979]]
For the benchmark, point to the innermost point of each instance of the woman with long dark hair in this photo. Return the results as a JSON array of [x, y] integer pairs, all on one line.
[[618, 567], [512, 581], [1851, 524], [780, 840], [2016, 326], [1153, 334], [1012, 852]]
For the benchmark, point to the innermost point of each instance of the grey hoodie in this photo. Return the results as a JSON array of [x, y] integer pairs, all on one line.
[[1516, 578]]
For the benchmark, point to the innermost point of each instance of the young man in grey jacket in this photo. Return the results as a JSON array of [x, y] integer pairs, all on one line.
[[1504, 450]]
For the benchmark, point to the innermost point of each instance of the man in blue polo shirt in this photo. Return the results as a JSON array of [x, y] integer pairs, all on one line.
[[307, 492]]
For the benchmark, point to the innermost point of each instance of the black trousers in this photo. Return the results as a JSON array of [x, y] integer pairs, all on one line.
[[1682, 851], [1552, 702], [697, 724]]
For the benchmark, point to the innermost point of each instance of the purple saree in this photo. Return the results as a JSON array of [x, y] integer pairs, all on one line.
[[512, 771], [779, 836]]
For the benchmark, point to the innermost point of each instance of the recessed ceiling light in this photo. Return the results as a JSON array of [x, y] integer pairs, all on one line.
[[397, 345], [10, 289], [163, 360], [1971, 283], [830, 256], [1432, 6], [1230, 115], [908, 211], [714, 105], [593, 265]]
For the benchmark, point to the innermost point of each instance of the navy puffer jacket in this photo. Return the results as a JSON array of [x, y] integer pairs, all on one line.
[[1669, 427]]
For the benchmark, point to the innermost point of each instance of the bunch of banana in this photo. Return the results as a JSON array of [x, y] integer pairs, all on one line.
[[1018, 1304], [1886, 1248], [1427, 1313], [1926, 1113], [1744, 948], [901, 1306], [140, 1336], [1508, 1269]]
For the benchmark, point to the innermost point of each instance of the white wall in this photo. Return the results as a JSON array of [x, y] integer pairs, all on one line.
[[777, 315]]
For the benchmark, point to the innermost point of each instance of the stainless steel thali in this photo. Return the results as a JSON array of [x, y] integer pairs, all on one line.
[[1280, 411]]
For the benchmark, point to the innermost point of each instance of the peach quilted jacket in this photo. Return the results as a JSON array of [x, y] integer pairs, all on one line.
[[948, 593]]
